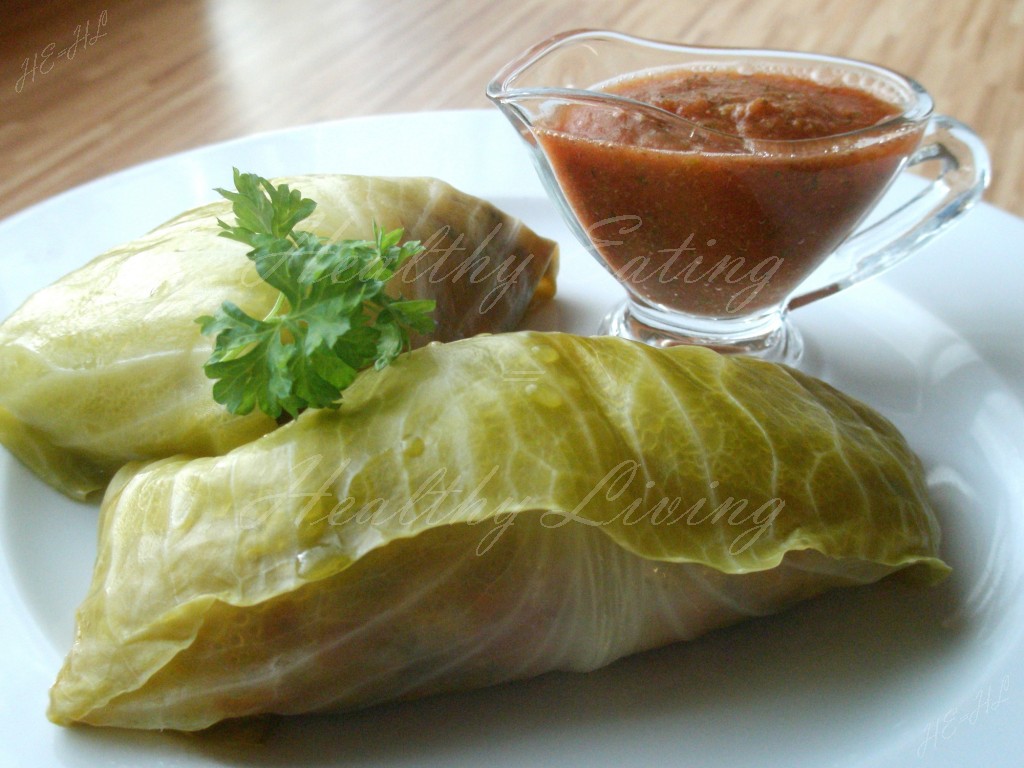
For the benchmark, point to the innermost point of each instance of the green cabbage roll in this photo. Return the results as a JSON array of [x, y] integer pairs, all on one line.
[[484, 511], [106, 365]]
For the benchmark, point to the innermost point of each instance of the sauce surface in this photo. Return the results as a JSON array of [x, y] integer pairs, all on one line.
[[759, 105], [699, 223]]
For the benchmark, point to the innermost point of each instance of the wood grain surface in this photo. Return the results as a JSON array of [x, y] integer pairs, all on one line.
[[94, 86]]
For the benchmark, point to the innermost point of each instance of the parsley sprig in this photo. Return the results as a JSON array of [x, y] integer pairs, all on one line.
[[331, 320]]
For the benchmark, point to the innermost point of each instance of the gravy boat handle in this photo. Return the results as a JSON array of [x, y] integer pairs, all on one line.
[[963, 174]]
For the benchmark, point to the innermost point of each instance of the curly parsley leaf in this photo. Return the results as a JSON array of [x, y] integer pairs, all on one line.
[[332, 318]]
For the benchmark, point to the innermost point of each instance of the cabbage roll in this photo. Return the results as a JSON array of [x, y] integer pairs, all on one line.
[[106, 365], [479, 512]]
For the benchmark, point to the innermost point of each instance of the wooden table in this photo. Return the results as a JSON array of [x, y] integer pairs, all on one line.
[[91, 87]]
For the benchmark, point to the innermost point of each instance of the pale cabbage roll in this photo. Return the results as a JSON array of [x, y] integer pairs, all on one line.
[[479, 512], [106, 365]]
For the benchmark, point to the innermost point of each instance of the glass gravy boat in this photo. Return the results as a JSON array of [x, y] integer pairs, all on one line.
[[716, 237]]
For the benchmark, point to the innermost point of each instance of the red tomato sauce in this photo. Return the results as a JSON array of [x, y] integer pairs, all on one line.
[[705, 222]]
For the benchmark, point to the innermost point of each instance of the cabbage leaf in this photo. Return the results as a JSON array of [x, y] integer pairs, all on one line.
[[105, 366], [483, 511]]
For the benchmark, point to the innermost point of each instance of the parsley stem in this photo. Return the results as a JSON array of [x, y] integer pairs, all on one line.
[[276, 309]]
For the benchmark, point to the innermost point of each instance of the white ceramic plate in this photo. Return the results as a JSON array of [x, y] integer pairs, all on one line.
[[881, 676]]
